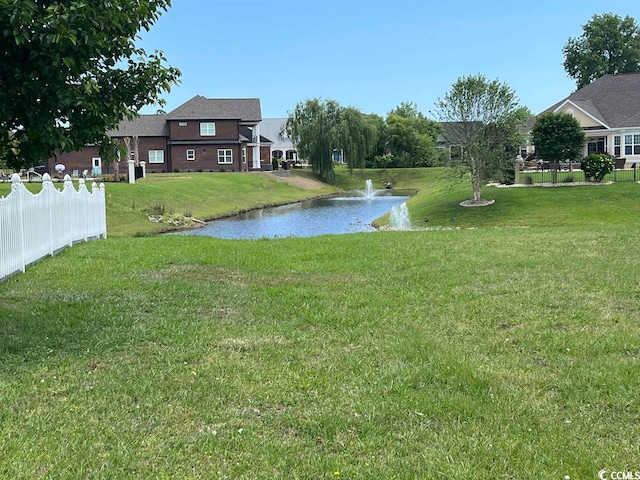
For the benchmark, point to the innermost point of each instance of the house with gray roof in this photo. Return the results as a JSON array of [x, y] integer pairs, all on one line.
[[203, 134], [608, 109]]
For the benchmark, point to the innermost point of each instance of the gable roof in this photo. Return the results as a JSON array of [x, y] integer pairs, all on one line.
[[246, 135], [613, 100], [142, 126], [201, 108], [271, 128]]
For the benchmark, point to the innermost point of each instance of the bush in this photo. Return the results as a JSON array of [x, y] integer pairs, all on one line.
[[274, 163], [528, 180], [596, 166]]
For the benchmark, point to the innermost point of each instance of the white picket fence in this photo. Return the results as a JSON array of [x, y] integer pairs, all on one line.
[[33, 226]]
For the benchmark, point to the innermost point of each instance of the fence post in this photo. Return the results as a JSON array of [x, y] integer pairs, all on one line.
[[132, 171], [103, 210], [84, 197], [68, 185], [47, 184], [18, 188]]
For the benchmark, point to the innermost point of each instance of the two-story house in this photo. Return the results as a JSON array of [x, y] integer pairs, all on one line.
[[209, 135]]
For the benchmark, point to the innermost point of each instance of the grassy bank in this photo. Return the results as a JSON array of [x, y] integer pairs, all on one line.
[[444, 354], [455, 353], [436, 196], [204, 196]]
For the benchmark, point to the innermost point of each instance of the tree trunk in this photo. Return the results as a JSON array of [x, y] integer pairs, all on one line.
[[554, 172], [476, 180]]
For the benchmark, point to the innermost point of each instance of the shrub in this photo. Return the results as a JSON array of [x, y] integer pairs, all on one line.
[[528, 180], [274, 163], [157, 208], [596, 166], [568, 179]]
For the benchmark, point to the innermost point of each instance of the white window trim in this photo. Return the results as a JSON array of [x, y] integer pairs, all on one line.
[[244, 154], [223, 153], [632, 145], [154, 158], [207, 129], [191, 154]]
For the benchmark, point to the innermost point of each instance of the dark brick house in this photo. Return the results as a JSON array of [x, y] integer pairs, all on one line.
[[209, 135]]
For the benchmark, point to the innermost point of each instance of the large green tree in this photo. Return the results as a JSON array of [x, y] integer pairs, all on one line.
[[70, 71], [411, 137], [480, 114], [557, 137], [319, 127], [609, 44]]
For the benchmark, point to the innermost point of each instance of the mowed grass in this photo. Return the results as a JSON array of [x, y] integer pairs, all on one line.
[[457, 353], [438, 192], [204, 196]]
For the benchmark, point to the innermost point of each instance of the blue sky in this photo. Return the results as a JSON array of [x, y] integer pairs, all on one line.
[[369, 54]]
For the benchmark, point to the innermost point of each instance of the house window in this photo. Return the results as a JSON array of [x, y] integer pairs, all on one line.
[[191, 155], [632, 144], [616, 145], [156, 156], [291, 155], [244, 154], [208, 129], [182, 124], [225, 155]]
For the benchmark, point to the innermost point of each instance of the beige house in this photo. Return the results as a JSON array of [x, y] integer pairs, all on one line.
[[609, 111]]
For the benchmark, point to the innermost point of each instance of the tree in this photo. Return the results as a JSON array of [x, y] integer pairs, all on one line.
[[477, 110], [319, 127], [70, 71], [557, 137], [411, 137], [609, 44], [505, 140]]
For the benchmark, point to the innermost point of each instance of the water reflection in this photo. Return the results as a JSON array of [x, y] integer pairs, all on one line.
[[332, 215]]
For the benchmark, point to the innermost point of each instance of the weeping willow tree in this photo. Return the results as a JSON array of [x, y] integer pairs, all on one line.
[[317, 128]]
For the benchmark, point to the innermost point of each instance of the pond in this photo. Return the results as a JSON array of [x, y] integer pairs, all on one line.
[[349, 213]]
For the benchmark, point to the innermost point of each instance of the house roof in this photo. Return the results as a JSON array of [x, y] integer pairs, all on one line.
[[201, 108], [142, 126], [271, 127], [613, 100], [246, 135]]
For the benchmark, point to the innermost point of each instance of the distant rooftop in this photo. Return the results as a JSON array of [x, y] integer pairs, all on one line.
[[201, 108]]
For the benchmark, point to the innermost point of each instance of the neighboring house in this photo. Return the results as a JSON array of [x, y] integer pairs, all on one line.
[[281, 145], [609, 111], [209, 135]]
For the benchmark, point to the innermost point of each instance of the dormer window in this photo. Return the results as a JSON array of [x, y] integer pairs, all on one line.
[[207, 129]]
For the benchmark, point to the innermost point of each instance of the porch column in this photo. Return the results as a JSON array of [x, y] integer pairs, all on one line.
[[256, 146]]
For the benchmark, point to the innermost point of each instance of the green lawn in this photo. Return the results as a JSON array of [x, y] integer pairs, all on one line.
[[204, 196], [456, 353]]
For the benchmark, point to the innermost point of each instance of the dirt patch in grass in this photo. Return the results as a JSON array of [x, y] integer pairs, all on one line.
[[300, 182]]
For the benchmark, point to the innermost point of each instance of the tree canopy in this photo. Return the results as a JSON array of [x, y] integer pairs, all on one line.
[[483, 118], [411, 137], [609, 44], [319, 127], [70, 71], [557, 137]]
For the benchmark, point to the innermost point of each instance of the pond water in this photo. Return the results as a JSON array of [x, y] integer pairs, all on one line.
[[330, 215]]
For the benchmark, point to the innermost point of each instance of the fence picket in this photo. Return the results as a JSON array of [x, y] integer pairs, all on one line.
[[33, 226]]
